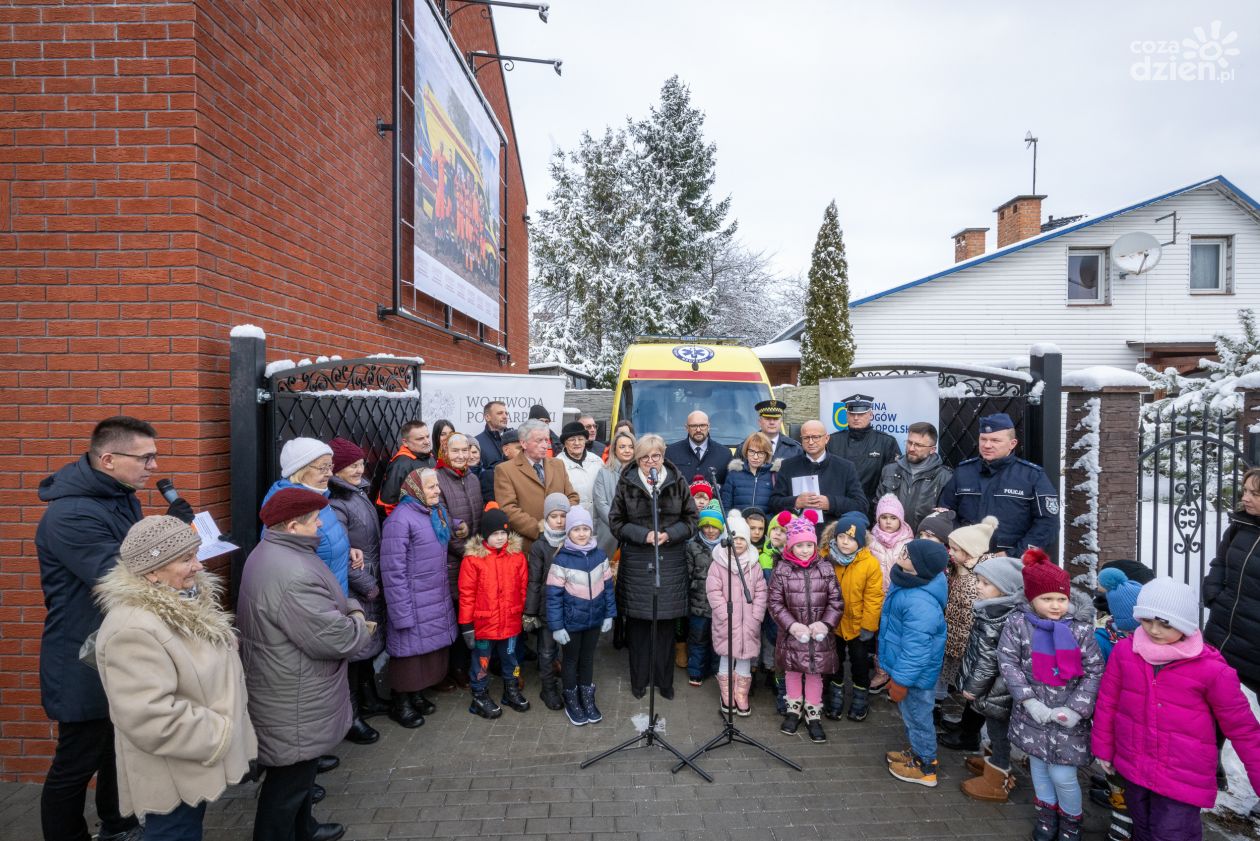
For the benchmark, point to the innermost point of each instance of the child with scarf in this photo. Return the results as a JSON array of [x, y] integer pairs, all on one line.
[[1163, 696], [701, 659], [886, 541], [912, 643], [580, 607], [743, 629], [968, 546], [1001, 591], [862, 590], [771, 554], [541, 553], [1052, 667], [805, 603]]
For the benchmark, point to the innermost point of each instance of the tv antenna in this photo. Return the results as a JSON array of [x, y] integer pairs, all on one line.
[[1029, 140]]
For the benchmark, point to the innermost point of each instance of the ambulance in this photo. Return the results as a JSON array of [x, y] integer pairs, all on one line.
[[664, 379]]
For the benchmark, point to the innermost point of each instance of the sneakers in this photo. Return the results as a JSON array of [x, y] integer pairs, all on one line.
[[573, 708], [898, 756], [483, 705], [586, 694], [813, 726], [692, 680], [915, 771], [879, 680], [792, 721]]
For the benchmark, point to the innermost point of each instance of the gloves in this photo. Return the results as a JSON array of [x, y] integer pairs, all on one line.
[[180, 508], [866, 635], [896, 691], [1064, 717], [531, 623], [561, 636], [818, 631], [1036, 710], [607, 626], [470, 639], [799, 631]]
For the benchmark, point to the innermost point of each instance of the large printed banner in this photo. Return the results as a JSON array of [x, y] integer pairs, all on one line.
[[456, 250], [899, 402], [459, 397]]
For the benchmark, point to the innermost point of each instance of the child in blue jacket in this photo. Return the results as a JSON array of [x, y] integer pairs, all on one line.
[[911, 650], [580, 607]]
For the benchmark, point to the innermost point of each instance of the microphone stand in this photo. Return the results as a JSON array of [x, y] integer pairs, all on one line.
[[729, 733], [648, 736]]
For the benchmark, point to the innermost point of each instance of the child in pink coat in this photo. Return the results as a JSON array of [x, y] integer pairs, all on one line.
[[1164, 693], [744, 628], [890, 535]]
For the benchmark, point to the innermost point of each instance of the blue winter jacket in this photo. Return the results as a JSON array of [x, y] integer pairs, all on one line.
[[742, 488], [912, 633], [579, 589], [334, 542]]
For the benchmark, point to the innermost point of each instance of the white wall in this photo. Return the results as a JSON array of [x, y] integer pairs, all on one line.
[[997, 309]]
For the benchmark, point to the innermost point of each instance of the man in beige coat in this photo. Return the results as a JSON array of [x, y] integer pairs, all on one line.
[[297, 629], [522, 484]]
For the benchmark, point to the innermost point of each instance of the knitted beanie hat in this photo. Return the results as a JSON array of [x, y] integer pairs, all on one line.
[[155, 541], [889, 504], [800, 530], [739, 526], [752, 512], [1170, 600], [492, 521], [854, 524], [555, 502], [289, 504], [929, 558], [1002, 572], [779, 521], [299, 452], [539, 412], [975, 540], [1120, 603], [699, 485], [938, 524], [711, 515], [1041, 576], [1109, 578], [577, 516], [344, 453]]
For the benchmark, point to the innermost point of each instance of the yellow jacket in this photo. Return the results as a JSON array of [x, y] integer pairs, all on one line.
[[862, 587]]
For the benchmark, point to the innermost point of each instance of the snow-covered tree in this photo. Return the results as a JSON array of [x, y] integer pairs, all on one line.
[[827, 346], [751, 302]]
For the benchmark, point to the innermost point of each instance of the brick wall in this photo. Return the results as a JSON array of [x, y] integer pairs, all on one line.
[[168, 170]]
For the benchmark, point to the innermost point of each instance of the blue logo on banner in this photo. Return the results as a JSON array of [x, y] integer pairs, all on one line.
[[692, 354], [840, 416]]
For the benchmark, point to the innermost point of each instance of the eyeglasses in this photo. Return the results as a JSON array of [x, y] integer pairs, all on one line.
[[322, 468], [915, 445], [812, 437], [149, 459], [652, 457], [697, 426], [761, 453]]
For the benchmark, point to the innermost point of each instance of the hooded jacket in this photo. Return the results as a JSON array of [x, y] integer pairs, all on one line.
[[917, 489], [912, 633], [805, 595], [77, 540], [172, 673], [744, 629], [862, 588], [579, 589], [979, 674], [492, 584]]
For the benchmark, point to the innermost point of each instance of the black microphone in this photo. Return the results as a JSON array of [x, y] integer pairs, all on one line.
[[652, 475], [167, 488]]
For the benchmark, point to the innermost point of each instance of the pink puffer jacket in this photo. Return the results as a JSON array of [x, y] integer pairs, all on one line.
[[1159, 730], [746, 618]]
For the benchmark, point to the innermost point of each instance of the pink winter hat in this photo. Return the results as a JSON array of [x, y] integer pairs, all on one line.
[[800, 530], [889, 504]]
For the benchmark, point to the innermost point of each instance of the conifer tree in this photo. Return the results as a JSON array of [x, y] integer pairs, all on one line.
[[827, 347]]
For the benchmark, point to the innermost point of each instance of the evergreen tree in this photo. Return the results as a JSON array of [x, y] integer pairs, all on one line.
[[827, 347]]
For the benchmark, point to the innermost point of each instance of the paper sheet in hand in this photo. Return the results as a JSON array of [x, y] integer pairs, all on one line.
[[212, 542], [806, 485]]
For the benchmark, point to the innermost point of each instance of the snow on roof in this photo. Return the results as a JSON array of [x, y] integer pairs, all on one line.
[[1104, 376], [247, 331], [786, 349], [1242, 199]]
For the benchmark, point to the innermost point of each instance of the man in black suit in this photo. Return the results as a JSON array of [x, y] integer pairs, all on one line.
[[696, 454], [839, 490], [490, 439]]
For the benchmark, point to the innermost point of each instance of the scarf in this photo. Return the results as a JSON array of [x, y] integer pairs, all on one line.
[[805, 564], [573, 547], [979, 606], [710, 543], [1186, 648], [459, 472], [891, 539], [839, 558], [1056, 658], [554, 538], [905, 579]]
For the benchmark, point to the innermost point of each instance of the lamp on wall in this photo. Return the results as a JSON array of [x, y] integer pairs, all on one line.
[[509, 61], [543, 9]]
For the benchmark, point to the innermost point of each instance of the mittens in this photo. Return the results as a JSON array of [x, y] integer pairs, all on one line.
[[561, 636], [606, 626], [1065, 717], [799, 631], [896, 691], [1038, 711]]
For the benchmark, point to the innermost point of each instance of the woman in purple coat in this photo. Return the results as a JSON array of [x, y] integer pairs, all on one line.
[[418, 602], [461, 495]]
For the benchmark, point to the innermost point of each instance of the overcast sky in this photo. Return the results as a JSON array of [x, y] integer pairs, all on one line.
[[911, 115]]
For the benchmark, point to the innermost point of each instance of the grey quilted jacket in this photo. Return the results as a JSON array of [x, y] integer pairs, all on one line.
[[979, 674]]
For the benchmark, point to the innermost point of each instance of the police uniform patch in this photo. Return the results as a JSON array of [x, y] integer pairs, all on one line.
[[1052, 505]]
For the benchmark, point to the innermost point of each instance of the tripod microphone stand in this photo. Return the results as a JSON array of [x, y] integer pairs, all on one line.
[[729, 733], [649, 737]]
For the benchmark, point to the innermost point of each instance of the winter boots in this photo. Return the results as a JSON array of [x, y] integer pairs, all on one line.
[[726, 703], [483, 705], [813, 726], [915, 770], [360, 732], [1046, 827], [992, 786], [573, 708], [550, 694], [859, 707], [833, 700], [422, 704], [792, 720], [586, 694], [370, 701], [780, 694], [680, 655], [743, 689], [404, 712], [512, 696], [1070, 826]]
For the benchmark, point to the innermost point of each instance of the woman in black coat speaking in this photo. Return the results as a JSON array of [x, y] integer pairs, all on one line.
[[630, 520]]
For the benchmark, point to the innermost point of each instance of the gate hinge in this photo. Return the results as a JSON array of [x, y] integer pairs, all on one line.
[[263, 396], [1034, 399]]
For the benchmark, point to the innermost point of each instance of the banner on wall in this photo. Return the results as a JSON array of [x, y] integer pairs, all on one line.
[[460, 397], [457, 193], [899, 402]]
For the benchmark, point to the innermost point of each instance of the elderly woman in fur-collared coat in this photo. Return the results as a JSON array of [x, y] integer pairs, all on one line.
[[168, 660]]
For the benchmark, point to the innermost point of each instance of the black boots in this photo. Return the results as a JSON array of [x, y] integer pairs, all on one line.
[[360, 733], [483, 705], [512, 696], [363, 683], [422, 704], [792, 721], [833, 700], [859, 707], [550, 695], [404, 712], [1046, 827], [573, 708]]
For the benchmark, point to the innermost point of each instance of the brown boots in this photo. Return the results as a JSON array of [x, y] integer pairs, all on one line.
[[992, 786], [680, 655]]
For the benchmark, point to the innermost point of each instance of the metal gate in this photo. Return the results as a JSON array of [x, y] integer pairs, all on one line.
[[363, 400]]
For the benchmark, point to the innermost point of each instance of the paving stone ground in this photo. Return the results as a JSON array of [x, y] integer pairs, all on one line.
[[518, 778]]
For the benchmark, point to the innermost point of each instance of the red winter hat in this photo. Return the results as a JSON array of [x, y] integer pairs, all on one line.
[[289, 504], [698, 484], [345, 453], [1042, 576]]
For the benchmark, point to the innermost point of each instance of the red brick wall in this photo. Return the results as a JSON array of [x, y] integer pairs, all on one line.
[[168, 170]]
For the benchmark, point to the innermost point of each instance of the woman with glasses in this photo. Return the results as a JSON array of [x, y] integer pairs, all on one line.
[[750, 481], [631, 521]]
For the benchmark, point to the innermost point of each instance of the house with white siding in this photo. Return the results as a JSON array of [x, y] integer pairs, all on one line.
[[1058, 282]]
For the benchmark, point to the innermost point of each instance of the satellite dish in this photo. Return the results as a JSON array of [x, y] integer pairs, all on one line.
[[1136, 253]]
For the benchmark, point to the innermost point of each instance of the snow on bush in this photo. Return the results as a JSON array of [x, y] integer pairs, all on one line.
[[1088, 461]]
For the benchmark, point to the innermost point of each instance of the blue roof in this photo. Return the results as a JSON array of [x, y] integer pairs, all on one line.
[[796, 329]]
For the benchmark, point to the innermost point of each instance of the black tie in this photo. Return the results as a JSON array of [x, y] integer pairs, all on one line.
[[699, 454], [538, 468]]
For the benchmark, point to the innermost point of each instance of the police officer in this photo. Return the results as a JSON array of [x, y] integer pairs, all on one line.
[[869, 449], [1015, 491], [770, 421]]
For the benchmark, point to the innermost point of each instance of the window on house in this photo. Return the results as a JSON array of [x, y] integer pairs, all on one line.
[[1087, 276], [1210, 269]]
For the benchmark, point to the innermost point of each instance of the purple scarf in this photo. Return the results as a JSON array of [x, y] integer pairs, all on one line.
[[1056, 658]]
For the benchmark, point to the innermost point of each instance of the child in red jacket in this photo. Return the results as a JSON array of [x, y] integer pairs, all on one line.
[[492, 583]]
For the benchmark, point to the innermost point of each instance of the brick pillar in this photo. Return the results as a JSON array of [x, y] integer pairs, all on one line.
[[1117, 452], [1247, 418]]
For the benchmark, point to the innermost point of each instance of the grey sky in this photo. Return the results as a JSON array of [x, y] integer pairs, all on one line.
[[911, 115]]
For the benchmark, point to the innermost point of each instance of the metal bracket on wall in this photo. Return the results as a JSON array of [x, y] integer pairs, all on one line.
[[1173, 216], [263, 395], [382, 127]]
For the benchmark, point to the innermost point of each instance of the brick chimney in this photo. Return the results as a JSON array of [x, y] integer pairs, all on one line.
[[1017, 219], [968, 243]]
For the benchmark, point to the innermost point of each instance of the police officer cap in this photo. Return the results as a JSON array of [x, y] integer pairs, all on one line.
[[859, 404], [771, 408], [996, 422]]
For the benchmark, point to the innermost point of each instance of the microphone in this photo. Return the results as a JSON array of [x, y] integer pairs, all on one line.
[[167, 488], [651, 476]]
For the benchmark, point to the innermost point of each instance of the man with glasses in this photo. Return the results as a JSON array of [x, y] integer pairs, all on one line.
[[868, 448], [91, 505], [918, 477], [697, 454], [838, 490], [593, 444], [770, 421]]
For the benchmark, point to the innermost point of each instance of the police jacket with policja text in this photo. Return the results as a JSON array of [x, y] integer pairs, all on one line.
[[1015, 491]]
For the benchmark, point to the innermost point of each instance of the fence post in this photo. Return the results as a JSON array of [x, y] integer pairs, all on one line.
[[1248, 417], [1046, 417], [247, 364]]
